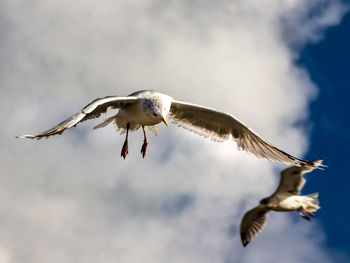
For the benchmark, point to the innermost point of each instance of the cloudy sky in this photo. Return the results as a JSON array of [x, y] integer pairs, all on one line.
[[71, 198]]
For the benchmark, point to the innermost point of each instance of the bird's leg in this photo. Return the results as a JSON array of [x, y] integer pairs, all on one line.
[[145, 143], [125, 149], [304, 216], [309, 212]]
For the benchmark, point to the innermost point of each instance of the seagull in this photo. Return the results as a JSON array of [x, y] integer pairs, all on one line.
[[286, 198], [149, 108]]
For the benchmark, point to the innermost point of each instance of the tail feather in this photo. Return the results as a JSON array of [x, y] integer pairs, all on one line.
[[312, 202], [153, 129]]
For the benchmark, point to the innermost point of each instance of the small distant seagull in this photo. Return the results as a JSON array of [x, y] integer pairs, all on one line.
[[149, 108], [286, 198]]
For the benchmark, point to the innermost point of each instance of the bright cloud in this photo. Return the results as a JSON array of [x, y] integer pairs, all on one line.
[[71, 198]]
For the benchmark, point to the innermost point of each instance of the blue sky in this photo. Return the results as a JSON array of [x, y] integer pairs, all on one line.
[[328, 63], [279, 66]]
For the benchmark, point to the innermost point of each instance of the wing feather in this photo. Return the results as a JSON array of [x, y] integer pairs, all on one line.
[[291, 181], [219, 126], [90, 111], [252, 223]]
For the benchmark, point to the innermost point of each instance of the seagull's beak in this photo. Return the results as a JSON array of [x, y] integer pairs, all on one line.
[[164, 120]]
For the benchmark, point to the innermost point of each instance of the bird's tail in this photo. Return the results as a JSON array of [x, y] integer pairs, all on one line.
[[311, 202]]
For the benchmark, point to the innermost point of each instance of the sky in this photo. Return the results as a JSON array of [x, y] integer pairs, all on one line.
[[328, 64], [277, 65]]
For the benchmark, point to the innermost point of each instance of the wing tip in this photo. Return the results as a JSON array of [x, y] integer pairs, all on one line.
[[25, 136], [244, 239], [315, 164]]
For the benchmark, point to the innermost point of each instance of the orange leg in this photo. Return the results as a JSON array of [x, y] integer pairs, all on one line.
[[304, 216], [309, 213], [125, 149], [145, 143]]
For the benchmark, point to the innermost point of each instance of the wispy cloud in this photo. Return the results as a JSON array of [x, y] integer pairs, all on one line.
[[72, 198]]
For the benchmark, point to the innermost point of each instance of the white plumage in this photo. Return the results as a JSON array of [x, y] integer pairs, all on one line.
[[149, 108], [286, 198]]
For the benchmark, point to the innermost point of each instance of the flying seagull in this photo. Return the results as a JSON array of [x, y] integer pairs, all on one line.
[[149, 108], [286, 198]]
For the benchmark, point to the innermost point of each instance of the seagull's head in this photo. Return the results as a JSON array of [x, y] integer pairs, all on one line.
[[159, 115], [158, 108], [266, 201]]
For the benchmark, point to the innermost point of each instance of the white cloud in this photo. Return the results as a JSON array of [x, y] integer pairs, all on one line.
[[72, 198]]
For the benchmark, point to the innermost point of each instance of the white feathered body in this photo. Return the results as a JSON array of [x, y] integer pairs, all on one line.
[[290, 202], [141, 113]]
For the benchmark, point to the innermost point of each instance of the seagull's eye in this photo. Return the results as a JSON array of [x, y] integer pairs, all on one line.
[[155, 114]]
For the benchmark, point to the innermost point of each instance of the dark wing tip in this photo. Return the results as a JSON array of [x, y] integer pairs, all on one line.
[[244, 239]]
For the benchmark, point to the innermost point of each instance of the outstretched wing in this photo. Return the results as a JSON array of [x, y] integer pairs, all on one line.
[[252, 223], [292, 180], [90, 111], [219, 126]]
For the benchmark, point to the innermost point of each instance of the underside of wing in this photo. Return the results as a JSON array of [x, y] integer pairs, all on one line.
[[219, 126], [90, 111], [203, 121], [252, 223], [291, 181]]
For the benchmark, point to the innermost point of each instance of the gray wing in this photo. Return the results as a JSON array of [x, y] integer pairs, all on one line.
[[291, 180], [219, 126], [90, 111], [252, 223]]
